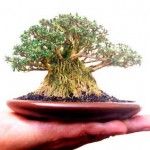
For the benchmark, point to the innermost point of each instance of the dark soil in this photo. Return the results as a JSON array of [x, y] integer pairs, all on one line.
[[83, 98]]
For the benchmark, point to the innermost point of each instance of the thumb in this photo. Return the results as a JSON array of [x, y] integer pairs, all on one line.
[[138, 123]]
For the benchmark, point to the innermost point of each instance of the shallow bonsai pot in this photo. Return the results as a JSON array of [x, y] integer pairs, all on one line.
[[74, 111]]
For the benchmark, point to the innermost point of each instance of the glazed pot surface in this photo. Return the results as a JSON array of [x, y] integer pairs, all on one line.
[[72, 111]]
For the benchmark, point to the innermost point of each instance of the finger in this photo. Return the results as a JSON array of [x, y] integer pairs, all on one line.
[[115, 127], [103, 130], [138, 123]]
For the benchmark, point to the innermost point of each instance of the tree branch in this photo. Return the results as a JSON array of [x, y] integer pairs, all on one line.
[[45, 65], [99, 66], [90, 61], [82, 52], [76, 55], [36, 69], [75, 44], [58, 53]]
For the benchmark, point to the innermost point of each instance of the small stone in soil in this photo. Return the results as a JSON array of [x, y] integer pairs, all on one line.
[[104, 97]]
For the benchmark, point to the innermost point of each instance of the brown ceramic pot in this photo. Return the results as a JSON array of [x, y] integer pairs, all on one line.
[[71, 111]]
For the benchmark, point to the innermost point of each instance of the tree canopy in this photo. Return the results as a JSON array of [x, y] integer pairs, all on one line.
[[69, 37]]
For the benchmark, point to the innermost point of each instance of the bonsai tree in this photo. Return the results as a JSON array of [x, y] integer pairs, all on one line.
[[70, 48]]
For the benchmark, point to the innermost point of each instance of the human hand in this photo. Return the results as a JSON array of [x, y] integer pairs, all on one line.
[[19, 133]]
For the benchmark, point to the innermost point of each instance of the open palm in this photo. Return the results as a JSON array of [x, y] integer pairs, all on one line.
[[19, 133]]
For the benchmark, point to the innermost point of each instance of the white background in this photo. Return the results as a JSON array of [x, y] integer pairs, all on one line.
[[128, 21]]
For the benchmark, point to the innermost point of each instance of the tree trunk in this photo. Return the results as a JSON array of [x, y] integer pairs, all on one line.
[[68, 78]]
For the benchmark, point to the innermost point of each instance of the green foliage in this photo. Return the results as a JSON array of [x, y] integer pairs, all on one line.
[[118, 55], [67, 37]]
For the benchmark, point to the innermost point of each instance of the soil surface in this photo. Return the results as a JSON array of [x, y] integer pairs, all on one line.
[[104, 97]]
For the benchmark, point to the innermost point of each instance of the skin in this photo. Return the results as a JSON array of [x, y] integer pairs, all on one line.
[[19, 133]]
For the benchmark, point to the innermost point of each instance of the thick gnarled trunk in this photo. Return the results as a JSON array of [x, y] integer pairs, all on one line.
[[68, 78]]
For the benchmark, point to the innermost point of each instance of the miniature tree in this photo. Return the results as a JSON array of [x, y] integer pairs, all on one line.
[[70, 48]]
